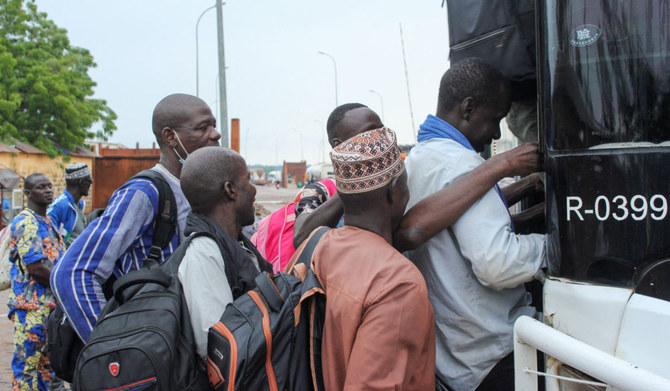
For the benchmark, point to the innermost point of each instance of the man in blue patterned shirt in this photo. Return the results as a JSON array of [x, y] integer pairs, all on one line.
[[35, 247], [118, 241]]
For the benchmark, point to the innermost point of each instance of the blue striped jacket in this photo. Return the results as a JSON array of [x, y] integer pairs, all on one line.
[[117, 242]]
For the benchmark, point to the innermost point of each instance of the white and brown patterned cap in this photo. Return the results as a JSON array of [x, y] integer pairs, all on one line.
[[367, 161], [77, 171]]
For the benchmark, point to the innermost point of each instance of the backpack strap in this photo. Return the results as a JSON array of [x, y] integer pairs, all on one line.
[[265, 281], [306, 254], [166, 217], [171, 265], [165, 224], [163, 275]]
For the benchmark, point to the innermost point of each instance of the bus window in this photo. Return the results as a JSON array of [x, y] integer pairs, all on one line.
[[609, 68]]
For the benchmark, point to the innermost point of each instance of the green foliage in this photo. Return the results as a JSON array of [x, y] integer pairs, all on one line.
[[45, 90]]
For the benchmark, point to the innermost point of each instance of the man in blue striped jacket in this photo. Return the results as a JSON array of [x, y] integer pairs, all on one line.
[[118, 241]]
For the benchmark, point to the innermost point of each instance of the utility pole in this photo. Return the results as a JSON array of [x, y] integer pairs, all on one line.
[[223, 101], [409, 96]]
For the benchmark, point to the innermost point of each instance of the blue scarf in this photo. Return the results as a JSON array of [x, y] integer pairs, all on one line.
[[434, 127]]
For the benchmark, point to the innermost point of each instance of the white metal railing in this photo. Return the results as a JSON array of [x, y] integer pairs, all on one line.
[[531, 335]]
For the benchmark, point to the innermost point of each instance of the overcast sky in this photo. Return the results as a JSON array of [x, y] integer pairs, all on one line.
[[276, 81]]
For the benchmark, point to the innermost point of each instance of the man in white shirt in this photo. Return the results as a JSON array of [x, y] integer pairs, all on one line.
[[221, 266], [476, 268]]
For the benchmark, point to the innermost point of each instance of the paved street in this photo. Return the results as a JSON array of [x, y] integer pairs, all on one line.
[[272, 199]]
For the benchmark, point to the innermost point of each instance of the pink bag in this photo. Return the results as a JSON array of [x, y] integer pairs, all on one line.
[[274, 237]]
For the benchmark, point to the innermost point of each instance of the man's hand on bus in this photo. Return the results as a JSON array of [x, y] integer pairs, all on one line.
[[522, 160]]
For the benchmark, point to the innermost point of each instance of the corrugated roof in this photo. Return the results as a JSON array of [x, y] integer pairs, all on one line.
[[81, 151], [7, 148], [27, 148], [19, 146]]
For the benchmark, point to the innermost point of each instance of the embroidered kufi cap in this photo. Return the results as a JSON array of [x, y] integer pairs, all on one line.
[[367, 161], [76, 171]]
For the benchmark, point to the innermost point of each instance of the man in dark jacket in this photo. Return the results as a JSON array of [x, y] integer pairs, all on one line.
[[215, 271]]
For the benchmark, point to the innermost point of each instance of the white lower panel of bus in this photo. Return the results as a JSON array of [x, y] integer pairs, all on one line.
[[629, 326]]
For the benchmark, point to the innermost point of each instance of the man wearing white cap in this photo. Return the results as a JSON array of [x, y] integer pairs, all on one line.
[[67, 211], [378, 331]]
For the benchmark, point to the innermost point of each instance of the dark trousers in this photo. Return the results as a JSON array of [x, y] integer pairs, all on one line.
[[501, 377]]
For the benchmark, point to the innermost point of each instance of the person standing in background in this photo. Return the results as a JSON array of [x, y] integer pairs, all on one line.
[[67, 210]]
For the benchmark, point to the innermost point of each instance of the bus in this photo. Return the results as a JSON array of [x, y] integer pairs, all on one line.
[[604, 119]]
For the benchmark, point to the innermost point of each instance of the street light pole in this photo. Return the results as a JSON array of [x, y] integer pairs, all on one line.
[[223, 103], [380, 100], [214, 103], [302, 154], [246, 144], [335, 69], [323, 142], [197, 60]]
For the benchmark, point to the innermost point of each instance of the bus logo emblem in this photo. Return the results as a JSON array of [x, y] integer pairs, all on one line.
[[585, 35]]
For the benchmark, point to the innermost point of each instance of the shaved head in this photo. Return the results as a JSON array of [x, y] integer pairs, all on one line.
[[173, 111], [336, 117], [204, 174], [31, 179]]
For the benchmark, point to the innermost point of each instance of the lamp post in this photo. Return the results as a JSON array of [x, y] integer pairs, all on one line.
[[335, 69], [380, 100], [197, 60], [302, 155], [246, 144], [323, 141], [215, 102], [223, 100]]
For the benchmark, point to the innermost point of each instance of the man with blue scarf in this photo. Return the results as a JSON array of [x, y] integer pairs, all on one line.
[[476, 268]]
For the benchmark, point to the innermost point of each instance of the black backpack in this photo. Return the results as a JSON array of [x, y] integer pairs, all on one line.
[[270, 337], [143, 338], [64, 345]]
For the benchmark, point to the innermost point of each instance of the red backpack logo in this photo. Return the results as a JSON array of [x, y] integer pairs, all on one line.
[[114, 368]]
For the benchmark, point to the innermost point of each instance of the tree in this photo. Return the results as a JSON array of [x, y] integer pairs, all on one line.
[[45, 89]]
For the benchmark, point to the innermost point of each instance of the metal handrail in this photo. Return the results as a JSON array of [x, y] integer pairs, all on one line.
[[531, 335]]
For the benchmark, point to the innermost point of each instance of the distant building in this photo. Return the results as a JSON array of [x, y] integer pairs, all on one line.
[[24, 159], [293, 174]]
